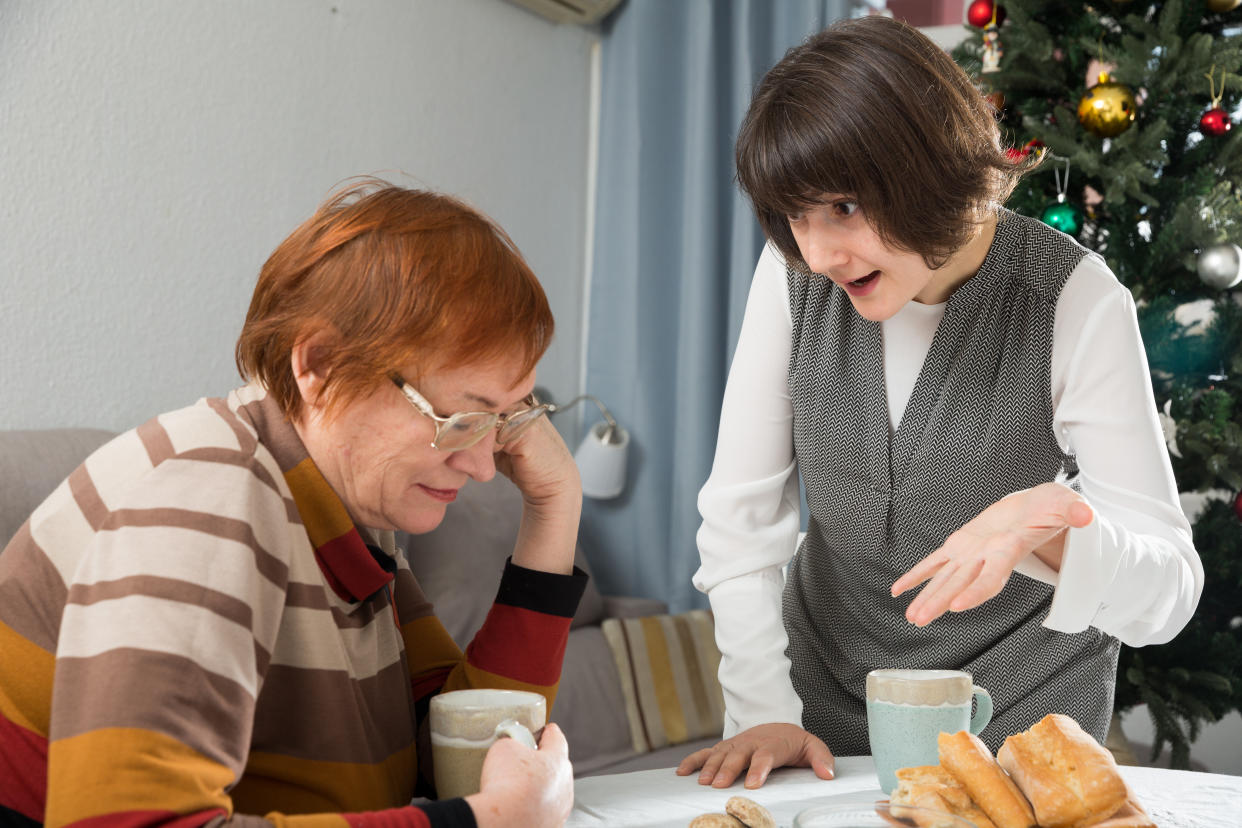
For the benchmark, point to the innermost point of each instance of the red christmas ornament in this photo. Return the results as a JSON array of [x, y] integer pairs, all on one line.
[[1016, 154], [1237, 505], [979, 14], [1215, 122]]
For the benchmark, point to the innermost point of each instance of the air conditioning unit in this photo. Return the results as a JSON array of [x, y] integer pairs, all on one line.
[[570, 11]]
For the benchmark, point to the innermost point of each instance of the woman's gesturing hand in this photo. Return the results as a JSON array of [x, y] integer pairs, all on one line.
[[975, 562], [761, 748]]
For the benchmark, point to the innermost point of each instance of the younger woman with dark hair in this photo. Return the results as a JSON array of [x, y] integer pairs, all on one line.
[[965, 394]]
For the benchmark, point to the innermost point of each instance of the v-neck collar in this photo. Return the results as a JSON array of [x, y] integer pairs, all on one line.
[[927, 396]]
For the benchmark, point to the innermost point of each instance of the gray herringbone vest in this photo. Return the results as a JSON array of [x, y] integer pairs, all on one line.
[[978, 427]]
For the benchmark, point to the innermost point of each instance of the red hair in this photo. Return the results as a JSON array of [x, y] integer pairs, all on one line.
[[397, 276]]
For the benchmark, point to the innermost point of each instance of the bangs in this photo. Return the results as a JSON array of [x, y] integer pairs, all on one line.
[[784, 163], [872, 110]]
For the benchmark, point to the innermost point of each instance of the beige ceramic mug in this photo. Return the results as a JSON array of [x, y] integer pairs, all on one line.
[[465, 723]]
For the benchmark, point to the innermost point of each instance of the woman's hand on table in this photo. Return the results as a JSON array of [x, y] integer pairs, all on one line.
[[759, 749], [520, 787], [542, 467], [975, 562]]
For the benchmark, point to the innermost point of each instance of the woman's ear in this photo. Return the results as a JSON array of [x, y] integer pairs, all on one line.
[[309, 361]]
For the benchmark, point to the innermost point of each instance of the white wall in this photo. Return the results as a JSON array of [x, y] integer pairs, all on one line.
[[154, 153]]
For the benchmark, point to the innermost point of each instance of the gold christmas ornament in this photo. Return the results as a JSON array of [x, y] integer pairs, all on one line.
[[1108, 108], [1222, 6]]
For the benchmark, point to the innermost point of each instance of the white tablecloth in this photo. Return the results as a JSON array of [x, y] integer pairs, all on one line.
[[661, 799]]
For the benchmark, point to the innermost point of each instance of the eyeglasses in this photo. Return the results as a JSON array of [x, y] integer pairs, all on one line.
[[462, 430]]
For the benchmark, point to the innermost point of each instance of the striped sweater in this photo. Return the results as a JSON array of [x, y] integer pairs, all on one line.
[[192, 630]]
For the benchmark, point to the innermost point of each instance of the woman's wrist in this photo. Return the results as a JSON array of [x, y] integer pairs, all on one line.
[[487, 812], [1053, 552], [547, 537]]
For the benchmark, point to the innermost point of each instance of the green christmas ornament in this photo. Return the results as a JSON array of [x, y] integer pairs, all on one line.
[[1063, 216]]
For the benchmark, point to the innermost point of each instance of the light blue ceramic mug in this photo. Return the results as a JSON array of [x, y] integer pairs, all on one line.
[[908, 709]]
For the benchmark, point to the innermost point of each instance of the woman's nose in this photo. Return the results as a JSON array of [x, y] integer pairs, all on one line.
[[822, 252], [478, 461]]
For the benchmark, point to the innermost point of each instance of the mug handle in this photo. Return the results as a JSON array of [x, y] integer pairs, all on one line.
[[983, 709], [513, 729]]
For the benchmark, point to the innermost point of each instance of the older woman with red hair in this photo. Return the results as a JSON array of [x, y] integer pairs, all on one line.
[[209, 621]]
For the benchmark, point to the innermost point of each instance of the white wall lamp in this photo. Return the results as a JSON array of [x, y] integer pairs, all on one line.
[[601, 455]]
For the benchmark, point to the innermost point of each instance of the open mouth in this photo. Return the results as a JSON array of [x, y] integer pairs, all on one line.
[[866, 280]]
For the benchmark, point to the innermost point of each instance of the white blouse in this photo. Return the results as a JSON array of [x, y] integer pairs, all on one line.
[[1132, 573]]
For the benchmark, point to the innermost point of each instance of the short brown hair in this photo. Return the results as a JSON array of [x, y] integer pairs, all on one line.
[[399, 275], [873, 109]]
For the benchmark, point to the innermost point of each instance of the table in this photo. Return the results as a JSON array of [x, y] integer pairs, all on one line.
[[661, 799]]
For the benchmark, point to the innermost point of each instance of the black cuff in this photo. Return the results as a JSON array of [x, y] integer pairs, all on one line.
[[12, 819], [449, 813], [545, 592]]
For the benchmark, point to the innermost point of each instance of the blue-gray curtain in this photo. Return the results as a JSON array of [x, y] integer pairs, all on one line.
[[675, 249]]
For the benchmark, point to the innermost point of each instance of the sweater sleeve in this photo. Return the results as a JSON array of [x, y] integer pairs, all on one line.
[[1133, 572], [750, 510], [520, 646], [522, 641]]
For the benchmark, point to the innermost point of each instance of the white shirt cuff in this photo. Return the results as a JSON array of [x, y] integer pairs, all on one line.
[[1082, 580]]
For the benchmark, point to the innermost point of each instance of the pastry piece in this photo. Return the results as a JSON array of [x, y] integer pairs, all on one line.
[[715, 821], [1130, 815], [966, 757], [1070, 779], [749, 812], [931, 786]]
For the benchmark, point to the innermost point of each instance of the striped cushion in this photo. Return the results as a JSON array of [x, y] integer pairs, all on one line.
[[668, 666]]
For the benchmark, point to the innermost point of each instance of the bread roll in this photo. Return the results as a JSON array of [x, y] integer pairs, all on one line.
[[1130, 815], [1070, 779], [931, 786], [966, 757]]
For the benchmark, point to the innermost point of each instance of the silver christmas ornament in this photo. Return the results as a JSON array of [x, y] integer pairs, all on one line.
[[1168, 426], [1220, 266]]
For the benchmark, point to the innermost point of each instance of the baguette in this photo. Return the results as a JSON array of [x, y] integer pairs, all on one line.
[[966, 757], [1070, 779], [933, 787]]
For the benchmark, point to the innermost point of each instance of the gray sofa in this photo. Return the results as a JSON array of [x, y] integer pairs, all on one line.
[[458, 566]]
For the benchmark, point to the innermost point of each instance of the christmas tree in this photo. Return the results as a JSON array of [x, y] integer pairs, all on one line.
[[1128, 105]]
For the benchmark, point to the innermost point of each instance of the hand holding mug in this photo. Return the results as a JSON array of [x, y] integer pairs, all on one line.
[[523, 787]]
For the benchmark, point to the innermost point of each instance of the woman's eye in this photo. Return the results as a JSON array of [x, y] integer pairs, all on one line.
[[845, 209], [794, 218]]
